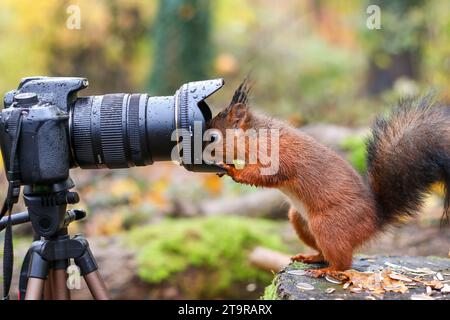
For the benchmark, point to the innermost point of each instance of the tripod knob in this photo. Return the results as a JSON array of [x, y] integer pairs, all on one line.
[[74, 215], [72, 197]]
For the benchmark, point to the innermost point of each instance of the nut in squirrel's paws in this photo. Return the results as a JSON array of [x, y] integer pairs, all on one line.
[[239, 164]]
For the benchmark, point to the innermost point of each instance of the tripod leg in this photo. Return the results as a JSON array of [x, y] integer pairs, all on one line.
[[35, 288], [37, 274], [23, 281], [59, 284], [89, 271], [48, 286], [96, 285]]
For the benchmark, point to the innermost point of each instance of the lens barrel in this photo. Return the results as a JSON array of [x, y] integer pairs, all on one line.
[[109, 131], [124, 130]]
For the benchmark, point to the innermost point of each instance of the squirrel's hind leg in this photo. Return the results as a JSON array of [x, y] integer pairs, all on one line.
[[335, 244], [301, 228]]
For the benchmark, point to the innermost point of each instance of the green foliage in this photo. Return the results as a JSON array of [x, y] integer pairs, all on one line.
[[402, 23], [218, 245], [182, 41], [270, 292], [356, 146], [325, 78]]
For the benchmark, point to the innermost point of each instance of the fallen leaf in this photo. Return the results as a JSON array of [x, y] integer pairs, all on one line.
[[435, 284]]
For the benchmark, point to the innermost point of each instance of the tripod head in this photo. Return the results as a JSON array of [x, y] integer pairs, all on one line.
[[47, 221], [47, 206]]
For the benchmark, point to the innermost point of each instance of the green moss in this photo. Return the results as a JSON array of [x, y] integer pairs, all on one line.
[[217, 245], [356, 146], [299, 265], [270, 293]]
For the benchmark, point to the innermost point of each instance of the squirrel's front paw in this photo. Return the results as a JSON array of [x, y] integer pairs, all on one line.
[[229, 168]]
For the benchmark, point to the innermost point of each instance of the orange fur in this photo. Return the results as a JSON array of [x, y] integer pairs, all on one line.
[[341, 210], [333, 210]]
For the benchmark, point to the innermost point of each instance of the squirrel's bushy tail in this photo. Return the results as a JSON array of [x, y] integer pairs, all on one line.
[[408, 152]]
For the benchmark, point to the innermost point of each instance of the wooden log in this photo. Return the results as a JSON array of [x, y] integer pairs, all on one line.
[[269, 260], [263, 203]]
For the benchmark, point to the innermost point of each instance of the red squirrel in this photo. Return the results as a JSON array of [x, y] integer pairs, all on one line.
[[333, 209]]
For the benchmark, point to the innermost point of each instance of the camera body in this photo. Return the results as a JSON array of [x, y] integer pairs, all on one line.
[[60, 131], [43, 147]]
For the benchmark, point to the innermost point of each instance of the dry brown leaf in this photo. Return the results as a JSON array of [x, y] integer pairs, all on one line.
[[378, 283], [435, 284]]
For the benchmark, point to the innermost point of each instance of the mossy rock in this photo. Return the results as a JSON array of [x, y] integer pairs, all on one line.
[[284, 285], [212, 250]]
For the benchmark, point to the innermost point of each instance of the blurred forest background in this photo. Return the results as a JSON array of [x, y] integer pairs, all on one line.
[[162, 232]]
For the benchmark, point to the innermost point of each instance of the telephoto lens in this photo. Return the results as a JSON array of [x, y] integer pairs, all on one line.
[[123, 130], [118, 130]]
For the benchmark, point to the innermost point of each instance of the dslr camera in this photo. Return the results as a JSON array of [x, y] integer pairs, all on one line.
[[60, 131]]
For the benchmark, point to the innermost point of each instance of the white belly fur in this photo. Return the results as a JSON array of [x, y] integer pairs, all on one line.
[[297, 203]]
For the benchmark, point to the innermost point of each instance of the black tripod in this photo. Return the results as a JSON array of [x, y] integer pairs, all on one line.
[[43, 273]]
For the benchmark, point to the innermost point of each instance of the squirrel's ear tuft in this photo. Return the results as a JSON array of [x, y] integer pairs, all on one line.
[[241, 93], [238, 115]]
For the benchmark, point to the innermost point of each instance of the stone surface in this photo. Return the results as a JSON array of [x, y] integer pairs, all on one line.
[[287, 280]]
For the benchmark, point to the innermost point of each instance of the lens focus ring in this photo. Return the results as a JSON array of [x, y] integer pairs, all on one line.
[[81, 133], [111, 131]]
